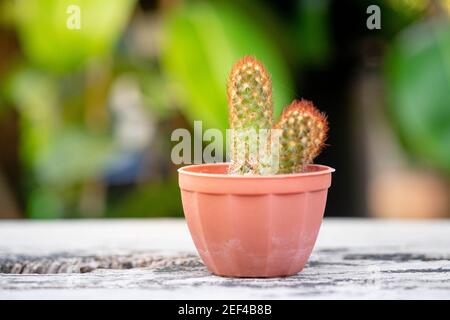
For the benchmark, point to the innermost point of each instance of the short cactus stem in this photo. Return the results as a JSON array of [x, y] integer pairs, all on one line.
[[304, 132]]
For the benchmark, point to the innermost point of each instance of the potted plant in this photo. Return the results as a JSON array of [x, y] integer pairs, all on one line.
[[259, 215]]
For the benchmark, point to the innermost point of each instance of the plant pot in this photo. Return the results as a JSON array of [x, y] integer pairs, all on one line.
[[253, 226]]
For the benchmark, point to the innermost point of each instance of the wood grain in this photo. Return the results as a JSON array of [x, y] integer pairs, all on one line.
[[155, 259]]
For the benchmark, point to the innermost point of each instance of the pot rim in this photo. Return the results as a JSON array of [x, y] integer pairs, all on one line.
[[319, 170]]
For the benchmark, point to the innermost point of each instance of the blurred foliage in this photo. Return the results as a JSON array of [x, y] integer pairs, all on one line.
[[418, 84], [60, 90], [312, 30], [63, 89], [399, 14], [96, 106], [201, 42], [409, 7], [151, 200], [64, 49]]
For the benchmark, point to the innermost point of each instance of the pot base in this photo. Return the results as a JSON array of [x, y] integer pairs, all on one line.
[[253, 273], [255, 276]]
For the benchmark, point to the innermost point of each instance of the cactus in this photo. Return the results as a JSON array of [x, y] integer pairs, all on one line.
[[250, 109], [303, 128], [304, 131]]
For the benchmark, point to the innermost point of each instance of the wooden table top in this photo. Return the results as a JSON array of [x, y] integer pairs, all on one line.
[[156, 259]]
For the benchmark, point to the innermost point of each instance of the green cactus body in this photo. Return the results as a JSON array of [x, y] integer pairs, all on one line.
[[250, 110], [304, 131], [300, 132]]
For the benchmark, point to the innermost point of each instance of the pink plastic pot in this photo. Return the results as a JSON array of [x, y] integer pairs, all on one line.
[[253, 226]]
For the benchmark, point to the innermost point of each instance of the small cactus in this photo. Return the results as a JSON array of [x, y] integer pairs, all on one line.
[[250, 109], [304, 131], [302, 127]]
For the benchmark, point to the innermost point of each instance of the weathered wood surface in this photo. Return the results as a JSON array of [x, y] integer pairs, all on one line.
[[148, 259]]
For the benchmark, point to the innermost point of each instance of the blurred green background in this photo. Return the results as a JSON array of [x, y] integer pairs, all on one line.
[[86, 114]]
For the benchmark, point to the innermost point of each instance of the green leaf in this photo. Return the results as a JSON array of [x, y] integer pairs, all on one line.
[[201, 42], [50, 44], [312, 31], [75, 155], [418, 84], [152, 199]]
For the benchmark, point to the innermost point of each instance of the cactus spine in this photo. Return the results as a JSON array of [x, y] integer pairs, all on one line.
[[303, 128]]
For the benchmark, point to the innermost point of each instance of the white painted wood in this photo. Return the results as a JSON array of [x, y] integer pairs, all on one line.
[[353, 259]]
